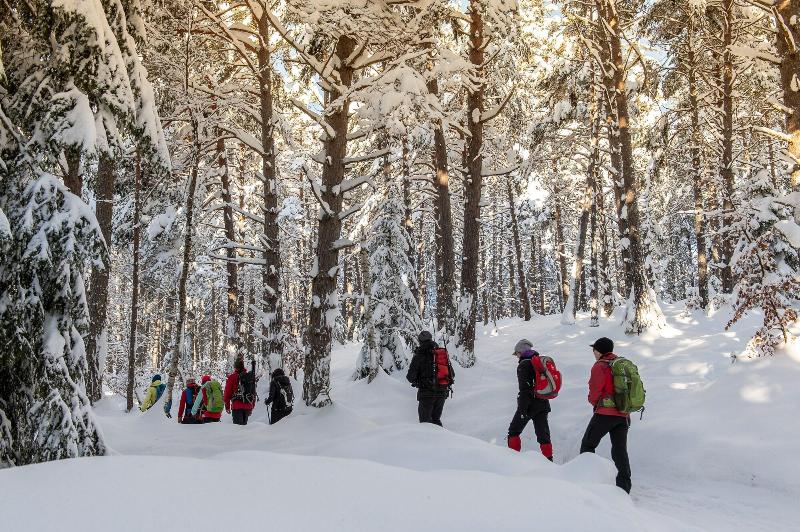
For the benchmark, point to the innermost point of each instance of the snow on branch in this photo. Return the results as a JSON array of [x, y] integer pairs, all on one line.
[[315, 117], [368, 157], [350, 184]]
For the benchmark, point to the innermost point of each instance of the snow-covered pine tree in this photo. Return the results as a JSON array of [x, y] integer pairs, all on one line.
[[393, 318], [767, 263]]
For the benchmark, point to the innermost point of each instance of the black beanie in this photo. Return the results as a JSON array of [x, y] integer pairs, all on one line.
[[603, 345], [425, 336]]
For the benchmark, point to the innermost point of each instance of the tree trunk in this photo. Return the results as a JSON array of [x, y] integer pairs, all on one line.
[[134, 284], [231, 268], [472, 192], [542, 308], [643, 311], [726, 164], [96, 346], [445, 261], [316, 385], [787, 41], [561, 253], [408, 221], [271, 269], [604, 277], [180, 323], [522, 284], [74, 177], [697, 177]]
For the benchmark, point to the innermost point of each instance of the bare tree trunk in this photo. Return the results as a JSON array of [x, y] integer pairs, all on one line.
[[98, 293], [408, 220], [472, 193], [787, 41], [726, 164], [561, 254], [231, 268], [271, 269], [643, 310], [180, 323], [316, 385], [134, 284], [607, 292], [74, 177], [523, 287], [542, 308], [697, 175]]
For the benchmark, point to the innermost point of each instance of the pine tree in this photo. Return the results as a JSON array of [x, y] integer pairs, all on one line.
[[393, 319]]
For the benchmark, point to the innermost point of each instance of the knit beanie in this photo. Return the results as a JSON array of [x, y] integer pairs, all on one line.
[[603, 345]]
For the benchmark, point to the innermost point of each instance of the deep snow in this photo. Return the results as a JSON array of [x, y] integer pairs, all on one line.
[[713, 452]]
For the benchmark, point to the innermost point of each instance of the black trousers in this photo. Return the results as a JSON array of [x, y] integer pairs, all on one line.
[[617, 428], [430, 408], [210, 420], [240, 416], [540, 425]]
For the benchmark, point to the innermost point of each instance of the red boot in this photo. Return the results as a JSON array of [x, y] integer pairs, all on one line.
[[547, 450], [515, 442]]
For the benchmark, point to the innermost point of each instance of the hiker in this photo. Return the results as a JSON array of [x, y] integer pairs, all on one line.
[[432, 375], [188, 397], [529, 406], [281, 396], [209, 404], [607, 418], [153, 393], [240, 392]]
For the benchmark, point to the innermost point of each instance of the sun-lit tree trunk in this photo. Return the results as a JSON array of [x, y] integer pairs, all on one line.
[[521, 283], [787, 41], [316, 385]]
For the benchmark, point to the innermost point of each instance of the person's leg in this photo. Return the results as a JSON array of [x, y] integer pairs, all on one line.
[[425, 409], [246, 416], [619, 453], [515, 428], [542, 429], [594, 433], [210, 420], [238, 417], [436, 411]]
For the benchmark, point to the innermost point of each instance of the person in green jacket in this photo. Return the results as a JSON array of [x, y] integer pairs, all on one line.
[[153, 393]]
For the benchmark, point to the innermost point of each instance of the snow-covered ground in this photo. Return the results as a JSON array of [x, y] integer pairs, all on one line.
[[713, 452]]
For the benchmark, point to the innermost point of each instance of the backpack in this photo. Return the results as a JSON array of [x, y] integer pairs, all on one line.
[[629, 390], [285, 397], [159, 390], [547, 378], [443, 369], [214, 402], [246, 389], [189, 398]]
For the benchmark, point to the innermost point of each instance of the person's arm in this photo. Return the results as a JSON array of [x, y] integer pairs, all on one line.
[[413, 370], [182, 406], [596, 380], [525, 376], [230, 389]]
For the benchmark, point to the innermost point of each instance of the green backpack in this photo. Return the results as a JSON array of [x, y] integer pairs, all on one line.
[[628, 387], [214, 401]]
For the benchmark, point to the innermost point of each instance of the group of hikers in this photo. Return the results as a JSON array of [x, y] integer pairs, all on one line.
[[615, 390], [205, 402]]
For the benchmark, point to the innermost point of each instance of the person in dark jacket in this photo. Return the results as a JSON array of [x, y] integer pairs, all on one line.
[[607, 419], [239, 407], [188, 397], [422, 374], [281, 396], [529, 407]]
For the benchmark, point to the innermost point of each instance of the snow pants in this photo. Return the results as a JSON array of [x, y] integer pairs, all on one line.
[[430, 408], [617, 428], [540, 427], [277, 415], [240, 416]]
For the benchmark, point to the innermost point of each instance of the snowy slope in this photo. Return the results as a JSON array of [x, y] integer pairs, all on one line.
[[713, 451]]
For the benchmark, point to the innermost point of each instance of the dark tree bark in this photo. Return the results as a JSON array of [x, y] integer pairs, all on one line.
[[787, 15], [232, 321], [134, 284], [98, 291], [726, 163], [74, 177], [316, 385], [472, 191], [521, 282], [561, 253]]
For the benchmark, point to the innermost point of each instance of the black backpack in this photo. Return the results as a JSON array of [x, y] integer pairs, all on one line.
[[246, 391], [285, 397]]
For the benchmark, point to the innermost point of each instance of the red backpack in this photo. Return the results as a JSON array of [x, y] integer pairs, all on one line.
[[444, 371], [547, 380]]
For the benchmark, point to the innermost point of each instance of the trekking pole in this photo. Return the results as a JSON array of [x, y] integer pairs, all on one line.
[[269, 418]]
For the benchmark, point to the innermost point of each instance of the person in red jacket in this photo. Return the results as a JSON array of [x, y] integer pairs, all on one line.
[[607, 419], [237, 402], [188, 397]]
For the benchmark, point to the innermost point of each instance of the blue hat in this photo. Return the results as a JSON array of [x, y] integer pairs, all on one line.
[[156, 377]]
